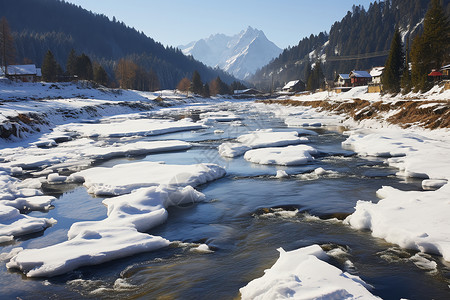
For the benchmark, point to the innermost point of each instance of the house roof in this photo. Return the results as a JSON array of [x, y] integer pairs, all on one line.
[[344, 76], [246, 91], [360, 74], [376, 71], [21, 70], [290, 84], [435, 73]]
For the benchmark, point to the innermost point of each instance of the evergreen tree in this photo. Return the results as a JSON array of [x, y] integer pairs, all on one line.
[[430, 49], [197, 84], [218, 87], [393, 68], [154, 83], [307, 72], [206, 92], [7, 47], [316, 78], [83, 67], [100, 75], [49, 67], [71, 63], [406, 78]]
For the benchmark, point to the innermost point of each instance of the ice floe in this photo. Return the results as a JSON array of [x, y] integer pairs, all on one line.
[[132, 127], [124, 178], [128, 216], [260, 139], [285, 156], [303, 274]]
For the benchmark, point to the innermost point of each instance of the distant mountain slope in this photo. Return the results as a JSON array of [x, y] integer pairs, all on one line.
[[361, 40], [240, 55], [40, 25]]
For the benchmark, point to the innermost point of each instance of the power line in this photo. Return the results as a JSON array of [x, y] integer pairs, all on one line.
[[358, 56]]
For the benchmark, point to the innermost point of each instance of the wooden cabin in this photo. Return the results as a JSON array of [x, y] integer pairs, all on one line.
[[359, 78]]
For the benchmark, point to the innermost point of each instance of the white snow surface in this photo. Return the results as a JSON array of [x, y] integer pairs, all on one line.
[[285, 156], [120, 234], [124, 178], [416, 219], [129, 127], [260, 139], [240, 55], [303, 274]]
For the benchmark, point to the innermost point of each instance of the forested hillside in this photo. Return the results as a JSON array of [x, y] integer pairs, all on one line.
[[42, 25], [360, 40]]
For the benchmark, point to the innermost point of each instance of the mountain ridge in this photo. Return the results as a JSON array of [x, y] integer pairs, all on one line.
[[240, 55], [60, 26]]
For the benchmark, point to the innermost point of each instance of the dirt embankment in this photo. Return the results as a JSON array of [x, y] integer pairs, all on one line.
[[405, 113]]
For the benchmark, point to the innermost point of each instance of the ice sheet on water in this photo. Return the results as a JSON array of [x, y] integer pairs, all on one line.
[[260, 139], [128, 216], [132, 127], [122, 179], [303, 274], [286, 156]]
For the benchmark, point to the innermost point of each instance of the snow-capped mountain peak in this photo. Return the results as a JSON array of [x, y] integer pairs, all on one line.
[[240, 55]]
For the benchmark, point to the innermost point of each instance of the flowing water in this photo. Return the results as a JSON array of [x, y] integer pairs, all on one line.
[[247, 215]]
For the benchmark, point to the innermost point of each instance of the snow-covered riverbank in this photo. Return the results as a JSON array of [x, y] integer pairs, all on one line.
[[100, 125]]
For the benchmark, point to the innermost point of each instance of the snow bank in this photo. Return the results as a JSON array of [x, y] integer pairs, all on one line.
[[302, 274], [260, 139], [286, 156], [130, 127], [413, 220], [122, 179]]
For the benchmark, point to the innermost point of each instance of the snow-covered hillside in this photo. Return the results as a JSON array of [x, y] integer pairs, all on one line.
[[240, 55]]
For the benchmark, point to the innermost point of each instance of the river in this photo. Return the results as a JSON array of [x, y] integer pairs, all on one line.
[[247, 215]]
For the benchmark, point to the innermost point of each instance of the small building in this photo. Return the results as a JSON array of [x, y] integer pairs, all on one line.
[[24, 73], [294, 86], [342, 80], [375, 86], [435, 76], [247, 93], [359, 78], [445, 70], [376, 74]]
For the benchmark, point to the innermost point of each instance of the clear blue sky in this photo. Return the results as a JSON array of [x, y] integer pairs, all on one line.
[[178, 22]]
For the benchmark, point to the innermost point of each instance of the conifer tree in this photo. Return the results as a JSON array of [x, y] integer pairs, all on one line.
[[100, 75], [71, 63], [394, 65], [49, 67], [197, 84], [83, 67], [406, 78], [7, 48], [430, 49], [206, 92]]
